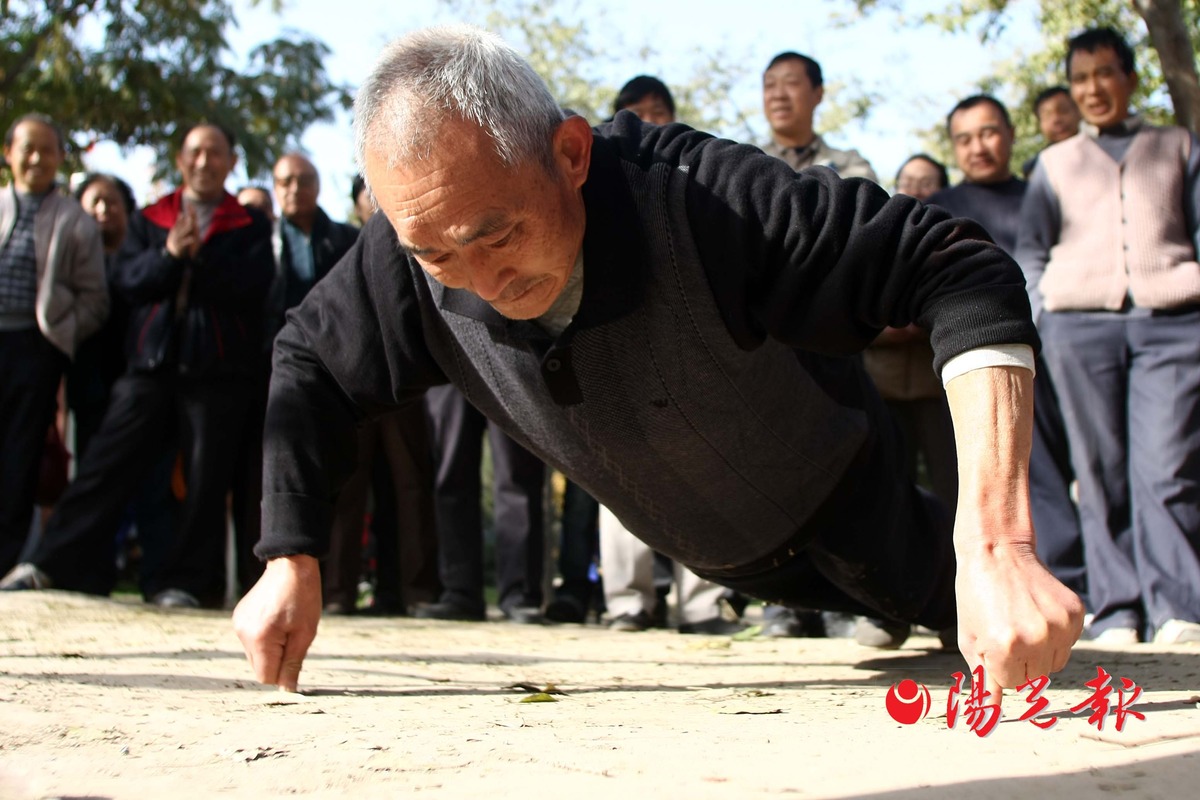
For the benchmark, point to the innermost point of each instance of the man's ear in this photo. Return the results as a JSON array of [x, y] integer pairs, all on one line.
[[573, 149]]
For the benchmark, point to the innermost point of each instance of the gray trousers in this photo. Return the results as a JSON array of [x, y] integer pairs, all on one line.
[[628, 567], [1130, 393]]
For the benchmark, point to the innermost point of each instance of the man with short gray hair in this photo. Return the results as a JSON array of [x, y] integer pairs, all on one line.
[[663, 316], [52, 297]]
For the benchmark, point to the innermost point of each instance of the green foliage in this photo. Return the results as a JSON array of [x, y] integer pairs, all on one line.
[[1018, 78], [560, 40], [139, 71]]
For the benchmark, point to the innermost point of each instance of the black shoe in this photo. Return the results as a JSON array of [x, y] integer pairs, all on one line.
[[799, 623], [715, 626], [524, 615], [949, 639], [630, 623], [658, 617], [566, 609], [448, 611]]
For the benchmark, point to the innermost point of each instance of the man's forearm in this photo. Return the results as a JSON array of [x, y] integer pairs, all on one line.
[[992, 410], [1015, 619]]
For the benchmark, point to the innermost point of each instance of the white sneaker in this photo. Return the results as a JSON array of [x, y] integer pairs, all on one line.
[[1117, 636], [175, 598], [25, 577], [1178, 631]]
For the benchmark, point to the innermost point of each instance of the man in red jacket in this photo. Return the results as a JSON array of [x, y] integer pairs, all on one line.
[[195, 272]]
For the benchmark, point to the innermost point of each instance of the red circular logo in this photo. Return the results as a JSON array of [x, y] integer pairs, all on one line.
[[908, 702]]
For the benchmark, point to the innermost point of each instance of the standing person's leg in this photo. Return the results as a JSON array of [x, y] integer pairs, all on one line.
[[1087, 357], [340, 570], [30, 369], [456, 429], [213, 412], [155, 512], [1164, 469], [627, 564], [87, 393], [934, 433], [577, 550], [77, 548], [246, 504], [519, 477], [700, 605], [931, 430], [409, 559], [1055, 517]]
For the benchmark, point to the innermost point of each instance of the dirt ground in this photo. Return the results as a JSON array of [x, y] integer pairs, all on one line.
[[106, 699]]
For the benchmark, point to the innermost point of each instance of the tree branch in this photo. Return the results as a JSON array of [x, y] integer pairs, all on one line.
[[1169, 35]]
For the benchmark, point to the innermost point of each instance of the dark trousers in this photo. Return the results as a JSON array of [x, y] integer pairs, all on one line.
[[1130, 392], [87, 394], [30, 369], [246, 495], [76, 550], [878, 546], [926, 428], [457, 429], [579, 545], [1055, 517], [406, 551]]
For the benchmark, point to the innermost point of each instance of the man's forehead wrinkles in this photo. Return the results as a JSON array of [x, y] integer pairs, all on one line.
[[492, 222]]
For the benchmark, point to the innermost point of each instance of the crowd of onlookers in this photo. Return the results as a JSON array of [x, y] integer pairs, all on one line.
[[153, 328]]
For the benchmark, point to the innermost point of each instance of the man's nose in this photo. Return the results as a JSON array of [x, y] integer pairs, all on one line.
[[488, 277]]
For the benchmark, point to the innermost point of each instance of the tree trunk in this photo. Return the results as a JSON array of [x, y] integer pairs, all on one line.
[[1169, 36]]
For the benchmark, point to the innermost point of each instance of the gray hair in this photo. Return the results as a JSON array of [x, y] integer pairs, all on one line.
[[430, 75]]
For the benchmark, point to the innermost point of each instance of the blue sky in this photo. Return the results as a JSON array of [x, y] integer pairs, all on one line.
[[920, 72]]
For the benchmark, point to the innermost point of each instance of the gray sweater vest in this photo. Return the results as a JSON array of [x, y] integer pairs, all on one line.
[[713, 455]]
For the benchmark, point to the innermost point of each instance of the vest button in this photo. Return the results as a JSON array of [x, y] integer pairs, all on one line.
[[553, 365]]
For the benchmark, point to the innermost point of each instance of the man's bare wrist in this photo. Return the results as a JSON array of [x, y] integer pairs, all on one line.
[[297, 563]]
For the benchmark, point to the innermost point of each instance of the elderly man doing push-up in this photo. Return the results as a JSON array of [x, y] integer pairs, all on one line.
[[668, 318]]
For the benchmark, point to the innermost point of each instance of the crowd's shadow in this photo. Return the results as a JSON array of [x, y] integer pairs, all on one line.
[[1169, 776]]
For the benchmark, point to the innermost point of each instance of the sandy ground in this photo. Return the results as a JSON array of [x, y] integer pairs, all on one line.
[[104, 699]]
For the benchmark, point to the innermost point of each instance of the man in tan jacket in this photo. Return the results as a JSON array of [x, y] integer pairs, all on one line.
[[52, 296], [793, 87]]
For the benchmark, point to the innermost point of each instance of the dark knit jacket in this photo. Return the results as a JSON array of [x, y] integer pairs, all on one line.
[[995, 206], [221, 329], [701, 391], [330, 241]]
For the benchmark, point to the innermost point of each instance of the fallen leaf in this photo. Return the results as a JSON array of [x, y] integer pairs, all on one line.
[[749, 633], [540, 697]]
